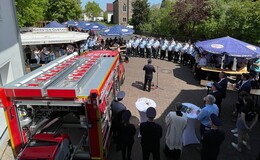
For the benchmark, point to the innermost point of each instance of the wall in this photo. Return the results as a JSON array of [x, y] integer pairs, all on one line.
[[11, 62], [109, 16]]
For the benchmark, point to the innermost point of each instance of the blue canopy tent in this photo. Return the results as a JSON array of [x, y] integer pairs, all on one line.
[[95, 26], [117, 30], [71, 23], [229, 46], [83, 24], [54, 24]]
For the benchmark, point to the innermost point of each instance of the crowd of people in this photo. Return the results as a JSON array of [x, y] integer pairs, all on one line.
[[245, 113]]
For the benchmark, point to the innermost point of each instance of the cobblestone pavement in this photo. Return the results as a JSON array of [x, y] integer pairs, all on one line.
[[176, 84]]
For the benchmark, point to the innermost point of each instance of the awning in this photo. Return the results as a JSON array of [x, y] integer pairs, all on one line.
[[32, 38]]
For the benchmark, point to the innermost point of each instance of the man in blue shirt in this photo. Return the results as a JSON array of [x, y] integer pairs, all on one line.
[[204, 114]]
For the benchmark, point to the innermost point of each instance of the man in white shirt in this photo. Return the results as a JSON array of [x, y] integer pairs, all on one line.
[[155, 46], [129, 48]]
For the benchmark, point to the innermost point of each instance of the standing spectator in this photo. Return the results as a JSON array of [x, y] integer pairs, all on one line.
[[202, 63], [212, 140], [223, 82], [245, 123], [127, 135], [151, 133], [37, 55], [52, 53], [28, 52], [45, 53], [176, 123], [149, 69], [255, 67], [117, 110], [70, 49], [62, 50], [244, 84], [204, 114], [218, 94]]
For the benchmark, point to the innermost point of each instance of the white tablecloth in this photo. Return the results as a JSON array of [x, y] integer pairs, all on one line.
[[142, 104], [189, 135]]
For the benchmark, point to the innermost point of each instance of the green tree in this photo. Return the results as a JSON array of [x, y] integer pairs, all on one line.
[[160, 23], [189, 13], [92, 9], [140, 13], [63, 10], [30, 11], [105, 16], [243, 20]]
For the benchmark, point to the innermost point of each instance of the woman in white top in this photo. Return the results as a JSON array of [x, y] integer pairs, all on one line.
[[37, 55]]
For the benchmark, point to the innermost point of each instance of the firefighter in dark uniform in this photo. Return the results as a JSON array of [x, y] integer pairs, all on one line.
[[212, 140], [218, 94], [151, 133], [117, 110], [149, 69]]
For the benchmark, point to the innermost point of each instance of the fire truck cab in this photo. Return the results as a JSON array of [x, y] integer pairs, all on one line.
[[62, 110]]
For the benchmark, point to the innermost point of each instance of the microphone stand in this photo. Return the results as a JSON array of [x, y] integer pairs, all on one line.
[[157, 78]]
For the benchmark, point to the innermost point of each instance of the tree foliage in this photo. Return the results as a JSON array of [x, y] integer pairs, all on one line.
[[63, 10], [105, 16], [92, 9], [30, 11], [189, 13], [140, 13]]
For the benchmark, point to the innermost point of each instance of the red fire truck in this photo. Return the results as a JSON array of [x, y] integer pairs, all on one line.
[[62, 110]]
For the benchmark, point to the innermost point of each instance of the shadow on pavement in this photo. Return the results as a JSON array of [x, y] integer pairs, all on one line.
[[184, 73], [138, 85]]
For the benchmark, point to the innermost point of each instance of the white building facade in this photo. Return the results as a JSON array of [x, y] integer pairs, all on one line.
[[11, 55]]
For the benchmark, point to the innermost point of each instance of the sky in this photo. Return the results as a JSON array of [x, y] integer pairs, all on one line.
[[102, 3]]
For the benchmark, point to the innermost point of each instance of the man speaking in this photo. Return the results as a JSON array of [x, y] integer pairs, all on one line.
[[149, 69]]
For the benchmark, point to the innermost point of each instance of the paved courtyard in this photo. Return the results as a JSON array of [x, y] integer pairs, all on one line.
[[176, 84]]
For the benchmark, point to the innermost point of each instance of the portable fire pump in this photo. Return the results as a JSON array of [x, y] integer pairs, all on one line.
[[62, 110]]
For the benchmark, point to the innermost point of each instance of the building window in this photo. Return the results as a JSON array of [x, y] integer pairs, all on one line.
[[124, 8], [124, 19]]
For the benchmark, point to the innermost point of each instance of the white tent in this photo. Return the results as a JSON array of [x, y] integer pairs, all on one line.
[[51, 36]]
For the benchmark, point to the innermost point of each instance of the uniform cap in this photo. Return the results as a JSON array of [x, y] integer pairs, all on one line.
[[215, 120], [120, 95], [126, 115], [149, 60], [217, 85], [150, 112]]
